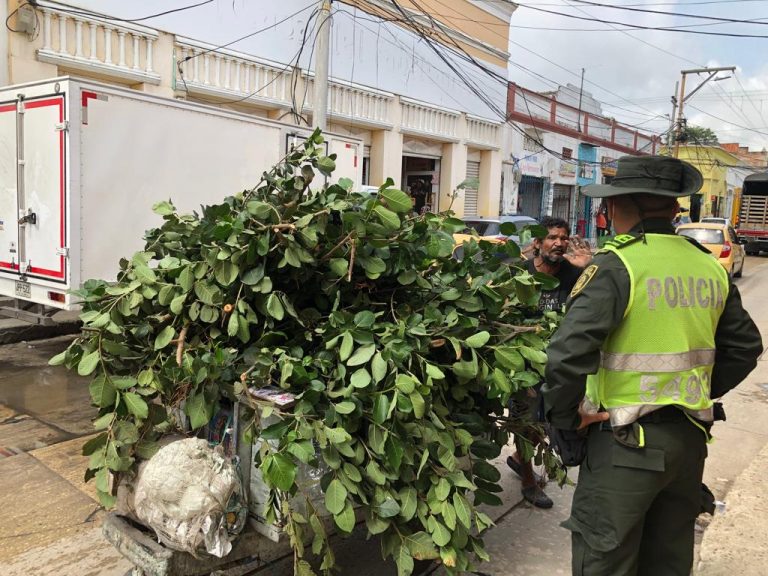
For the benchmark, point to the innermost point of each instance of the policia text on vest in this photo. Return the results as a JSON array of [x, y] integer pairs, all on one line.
[[688, 292]]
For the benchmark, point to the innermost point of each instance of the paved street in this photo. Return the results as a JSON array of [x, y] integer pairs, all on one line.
[[51, 520]]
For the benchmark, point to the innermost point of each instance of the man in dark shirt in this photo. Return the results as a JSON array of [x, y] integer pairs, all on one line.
[[551, 255]]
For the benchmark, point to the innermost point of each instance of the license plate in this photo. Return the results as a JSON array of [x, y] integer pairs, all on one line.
[[23, 289]]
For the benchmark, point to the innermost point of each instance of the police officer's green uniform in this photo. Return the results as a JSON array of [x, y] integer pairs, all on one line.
[[659, 330]]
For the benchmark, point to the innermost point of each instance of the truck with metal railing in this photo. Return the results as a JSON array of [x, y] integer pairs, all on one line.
[[752, 227]]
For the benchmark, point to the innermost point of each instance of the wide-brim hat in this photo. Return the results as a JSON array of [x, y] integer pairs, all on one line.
[[659, 175]]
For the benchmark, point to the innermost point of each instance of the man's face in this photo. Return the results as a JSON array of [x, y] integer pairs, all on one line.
[[553, 247]]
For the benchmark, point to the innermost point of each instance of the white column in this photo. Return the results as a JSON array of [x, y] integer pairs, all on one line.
[[207, 70], [247, 74], [149, 54], [93, 41], [386, 157], [63, 34], [453, 171], [107, 45], [237, 76], [136, 53], [196, 66], [47, 29], [227, 67], [489, 192], [217, 73], [121, 40], [78, 38]]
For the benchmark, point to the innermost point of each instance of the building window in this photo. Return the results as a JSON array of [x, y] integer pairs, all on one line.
[[532, 143], [567, 153], [366, 170]]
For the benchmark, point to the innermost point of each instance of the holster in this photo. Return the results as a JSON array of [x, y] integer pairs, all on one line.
[[571, 445]]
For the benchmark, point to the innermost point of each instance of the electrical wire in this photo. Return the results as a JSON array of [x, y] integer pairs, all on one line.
[[84, 12], [250, 35], [641, 27], [759, 21]]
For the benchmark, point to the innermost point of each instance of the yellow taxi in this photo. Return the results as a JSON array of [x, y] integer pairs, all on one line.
[[489, 229], [721, 240]]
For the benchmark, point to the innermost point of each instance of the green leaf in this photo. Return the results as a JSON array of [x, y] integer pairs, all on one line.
[[380, 409], [339, 266], [360, 378], [88, 363], [478, 340], [408, 500], [486, 471], [441, 535], [434, 372], [390, 220], [443, 489], [407, 277], [362, 355], [326, 165], [404, 561], [483, 448], [206, 293], [345, 407], [136, 405], [282, 472], [374, 266], [347, 345], [345, 520], [95, 443], [405, 383], [261, 210], [396, 200], [463, 510], [103, 393], [421, 546], [449, 515], [59, 359], [233, 324], [378, 368], [225, 273], [187, 279], [275, 307], [417, 400], [177, 304], [164, 338], [253, 276], [446, 458], [125, 382], [145, 449], [163, 208], [337, 435], [509, 358], [335, 497], [276, 430], [533, 355], [145, 274], [199, 411], [375, 524], [389, 508]]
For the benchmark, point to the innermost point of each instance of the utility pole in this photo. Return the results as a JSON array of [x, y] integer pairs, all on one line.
[[322, 49], [581, 93], [672, 132], [683, 98]]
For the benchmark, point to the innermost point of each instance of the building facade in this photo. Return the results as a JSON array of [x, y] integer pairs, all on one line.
[[722, 184], [391, 82], [553, 147]]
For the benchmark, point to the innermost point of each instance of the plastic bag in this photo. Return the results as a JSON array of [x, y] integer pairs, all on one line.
[[191, 496]]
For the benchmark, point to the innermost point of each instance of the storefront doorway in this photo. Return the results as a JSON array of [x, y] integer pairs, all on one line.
[[421, 180]]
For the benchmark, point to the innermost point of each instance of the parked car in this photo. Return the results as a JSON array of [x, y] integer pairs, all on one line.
[[490, 228], [721, 240], [716, 220]]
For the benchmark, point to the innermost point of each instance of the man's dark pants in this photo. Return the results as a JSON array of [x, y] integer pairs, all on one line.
[[634, 509]]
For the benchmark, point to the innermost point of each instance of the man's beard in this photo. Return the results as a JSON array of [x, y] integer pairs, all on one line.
[[554, 257]]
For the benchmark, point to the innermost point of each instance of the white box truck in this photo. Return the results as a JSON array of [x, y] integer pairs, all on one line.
[[82, 163]]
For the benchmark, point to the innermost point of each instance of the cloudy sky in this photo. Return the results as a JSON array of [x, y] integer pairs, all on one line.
[[633, 73]]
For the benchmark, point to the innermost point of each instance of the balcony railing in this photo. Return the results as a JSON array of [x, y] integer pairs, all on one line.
[[93, 44], [533, 109], [231, 75], [422, 119], [355, 104], [483, 133]]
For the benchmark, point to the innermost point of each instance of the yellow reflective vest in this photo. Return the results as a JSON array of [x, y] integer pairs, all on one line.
[[663, 351]]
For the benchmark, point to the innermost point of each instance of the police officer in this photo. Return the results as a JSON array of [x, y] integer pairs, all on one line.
[[653, 331]]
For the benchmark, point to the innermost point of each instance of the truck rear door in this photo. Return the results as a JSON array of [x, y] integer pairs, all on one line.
[[33, 188]]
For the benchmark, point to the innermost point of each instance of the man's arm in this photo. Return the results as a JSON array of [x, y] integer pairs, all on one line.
[[574, 351], [737, 345]]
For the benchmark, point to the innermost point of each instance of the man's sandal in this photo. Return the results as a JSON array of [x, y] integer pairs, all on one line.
[[536, 496], [518, 469]]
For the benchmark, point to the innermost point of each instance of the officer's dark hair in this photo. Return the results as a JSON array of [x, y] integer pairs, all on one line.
[[552, 222]]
